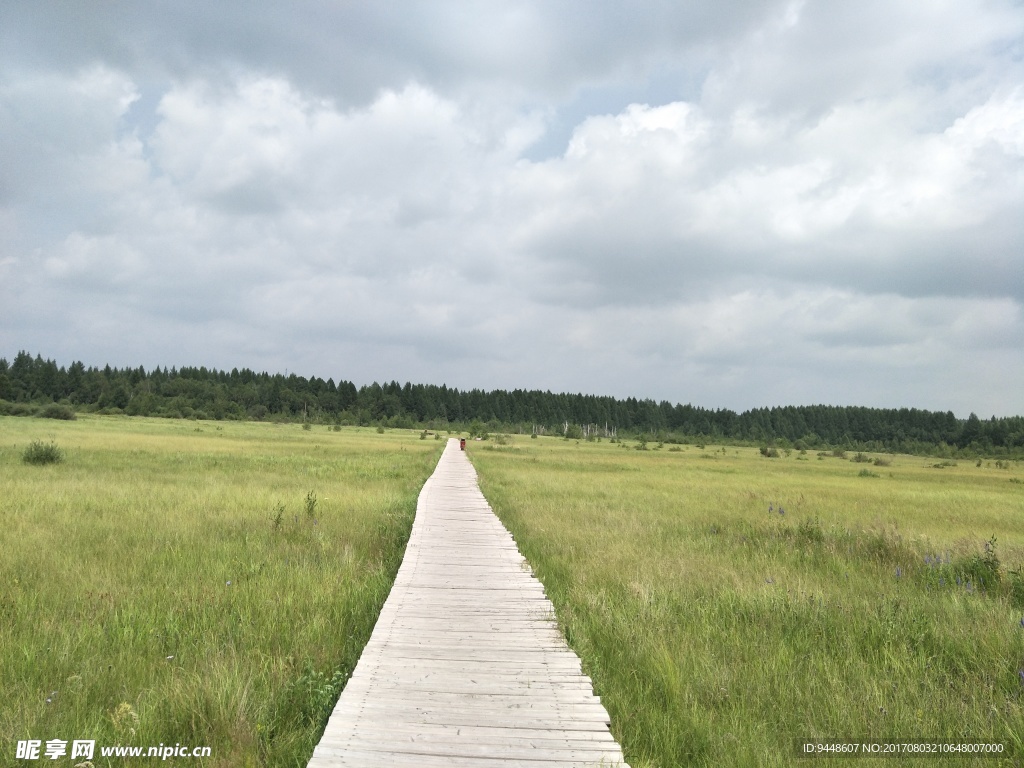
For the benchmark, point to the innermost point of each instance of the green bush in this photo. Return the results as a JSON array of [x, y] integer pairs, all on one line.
[[981, 569], [39, 452], [58, 411]]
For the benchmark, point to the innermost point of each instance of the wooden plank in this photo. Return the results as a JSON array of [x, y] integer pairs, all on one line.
[[466, 666], [486, 734], [499, 752]]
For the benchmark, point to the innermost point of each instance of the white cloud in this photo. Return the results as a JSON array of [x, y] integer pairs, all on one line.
[[832, 215]]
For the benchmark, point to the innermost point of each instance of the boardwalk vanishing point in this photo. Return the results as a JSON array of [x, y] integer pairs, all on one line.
[[466, 666]]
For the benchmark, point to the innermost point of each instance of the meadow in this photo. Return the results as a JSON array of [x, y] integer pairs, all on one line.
[[201, 583], [213, 583], [729, 606]]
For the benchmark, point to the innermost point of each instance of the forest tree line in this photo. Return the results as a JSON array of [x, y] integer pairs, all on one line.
[[34, 386]]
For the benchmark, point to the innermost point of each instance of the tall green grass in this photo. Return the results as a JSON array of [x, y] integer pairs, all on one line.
[[727, 604], [173, 583]]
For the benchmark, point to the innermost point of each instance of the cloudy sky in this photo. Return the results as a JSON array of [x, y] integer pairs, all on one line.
[[733, 204]]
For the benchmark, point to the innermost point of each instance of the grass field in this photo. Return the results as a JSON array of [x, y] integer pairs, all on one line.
[[208, 584], [212, 584], [728, 604]]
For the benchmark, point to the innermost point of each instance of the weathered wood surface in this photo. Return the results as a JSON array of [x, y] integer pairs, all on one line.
[[465, 666]]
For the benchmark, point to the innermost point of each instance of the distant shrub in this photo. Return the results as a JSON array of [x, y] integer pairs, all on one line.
[[861, 458], [882, 462], [58, 411], [769, 452], [839, 453], [22, 409], [307, 426], [39, 452], [867, 473], [533, 436], [380, 430]]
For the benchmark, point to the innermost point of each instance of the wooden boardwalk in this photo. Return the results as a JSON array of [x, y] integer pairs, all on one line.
[[465, 666]]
